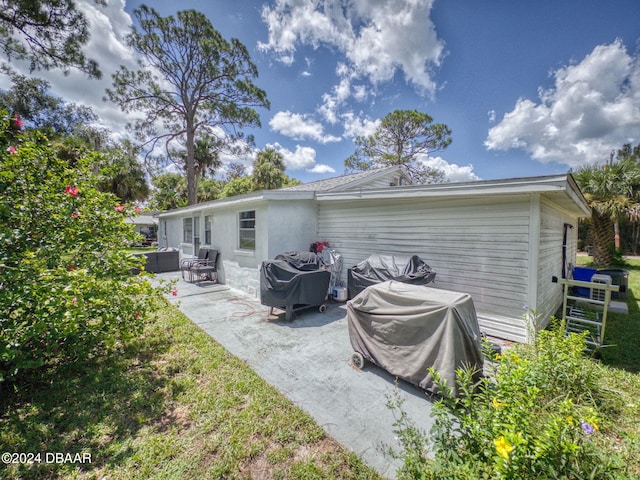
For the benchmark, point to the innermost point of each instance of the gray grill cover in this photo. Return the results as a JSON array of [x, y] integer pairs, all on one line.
[[380, 268], [293, 278], [406, 329]]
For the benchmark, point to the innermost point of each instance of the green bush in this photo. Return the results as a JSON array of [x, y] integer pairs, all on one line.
[[536, 414], [66, 289]]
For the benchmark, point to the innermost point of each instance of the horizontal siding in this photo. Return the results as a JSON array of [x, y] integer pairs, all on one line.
[[549, 296], [477, 246]]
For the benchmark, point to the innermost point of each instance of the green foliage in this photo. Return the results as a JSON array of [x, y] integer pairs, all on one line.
[[238, 186], [47, 33], [29, 98], [169, 191], [66, 289], [401, 139], [539, 414]]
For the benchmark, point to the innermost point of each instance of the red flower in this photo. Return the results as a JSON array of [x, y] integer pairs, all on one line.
[[11, 149], [174, 292], [120, 208], [17, 121], [73, 191], [136, 315]]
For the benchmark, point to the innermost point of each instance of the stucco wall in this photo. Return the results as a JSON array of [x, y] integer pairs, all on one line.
[[280, 226]]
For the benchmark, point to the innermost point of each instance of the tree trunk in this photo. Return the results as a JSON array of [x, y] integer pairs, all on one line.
[[190, 167], [602, 233]]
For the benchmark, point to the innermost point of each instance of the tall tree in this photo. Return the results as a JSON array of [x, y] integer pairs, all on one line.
[[402, 137], [206, 83], [268, 169], [612, 192], [47, 33]]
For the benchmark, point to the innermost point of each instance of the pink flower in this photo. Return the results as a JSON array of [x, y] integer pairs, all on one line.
[[120, 208], [137, 209], [73, 191], [75, 215], [136, 315], [11, 149], [17, 121], [74, 300], [174, 292]]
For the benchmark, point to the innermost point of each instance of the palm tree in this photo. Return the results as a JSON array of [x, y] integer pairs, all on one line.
[[612, 192], [268, 169]]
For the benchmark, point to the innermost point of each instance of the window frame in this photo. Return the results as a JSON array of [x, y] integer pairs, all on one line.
[[187, 233], [247, 225]]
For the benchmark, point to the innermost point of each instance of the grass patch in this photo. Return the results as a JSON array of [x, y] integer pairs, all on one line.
[[621, 359], [172, 404]]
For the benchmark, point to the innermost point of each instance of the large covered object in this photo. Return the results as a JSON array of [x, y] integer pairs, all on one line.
[[294, 280], [406, 329], [381, 268]]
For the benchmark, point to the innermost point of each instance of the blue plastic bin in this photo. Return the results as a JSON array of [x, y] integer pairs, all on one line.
[[584, 275]]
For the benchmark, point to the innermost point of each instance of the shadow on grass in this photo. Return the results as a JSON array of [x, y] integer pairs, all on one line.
[[93, 407]]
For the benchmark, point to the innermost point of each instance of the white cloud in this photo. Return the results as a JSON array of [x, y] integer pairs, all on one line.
[[376, 37], [592, 109], [322, 168], [355, 126], [300, 127], [452, 171], [303, 158]]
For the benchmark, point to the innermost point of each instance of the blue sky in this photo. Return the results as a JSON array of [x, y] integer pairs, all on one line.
[[527, 88]]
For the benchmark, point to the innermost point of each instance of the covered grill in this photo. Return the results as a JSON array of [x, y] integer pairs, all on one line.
[[406, 329], [294, 280], [380, 268]]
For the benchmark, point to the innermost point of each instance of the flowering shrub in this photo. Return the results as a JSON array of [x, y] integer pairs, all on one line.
[[537, 414], [66, 289]]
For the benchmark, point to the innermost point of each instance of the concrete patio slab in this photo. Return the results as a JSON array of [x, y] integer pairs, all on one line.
[[307, 360]]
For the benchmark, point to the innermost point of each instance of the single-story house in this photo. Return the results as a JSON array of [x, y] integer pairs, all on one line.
[[501, 241]]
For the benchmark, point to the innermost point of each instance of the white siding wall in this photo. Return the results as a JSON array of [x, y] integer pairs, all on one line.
[[552, 222], [476, 245]]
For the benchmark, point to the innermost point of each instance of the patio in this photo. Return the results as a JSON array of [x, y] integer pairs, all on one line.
[[307, 360]]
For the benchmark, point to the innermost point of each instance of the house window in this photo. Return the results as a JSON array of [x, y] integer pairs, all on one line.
[[187, 230], [196, 234], [208, 220], [247, 231]]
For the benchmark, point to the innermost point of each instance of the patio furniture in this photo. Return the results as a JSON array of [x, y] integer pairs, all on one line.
[[202, 267], [160, 261]]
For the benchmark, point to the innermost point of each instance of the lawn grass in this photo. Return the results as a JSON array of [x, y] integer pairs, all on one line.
[[621, 359], [172, 404]]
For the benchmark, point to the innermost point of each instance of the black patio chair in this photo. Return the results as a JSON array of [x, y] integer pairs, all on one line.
[[206, 269], [187, 263]]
